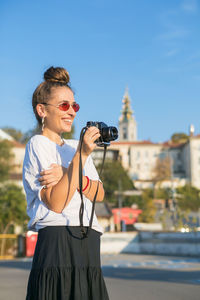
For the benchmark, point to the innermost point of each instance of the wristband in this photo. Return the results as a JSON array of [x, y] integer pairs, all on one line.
[[88, 181]]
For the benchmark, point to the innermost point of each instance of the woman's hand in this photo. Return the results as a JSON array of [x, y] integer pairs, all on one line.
[[90, 136], [51, 176]]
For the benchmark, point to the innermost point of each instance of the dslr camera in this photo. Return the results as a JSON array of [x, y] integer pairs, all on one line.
[[107, 133]]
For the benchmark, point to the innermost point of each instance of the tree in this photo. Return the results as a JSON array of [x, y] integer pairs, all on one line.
[[179, 137], [27, 135], [5, 159], [164, 193], [145, 202], [113, 172], [16, 134], [188, 198], [162, 169], [12, 209]]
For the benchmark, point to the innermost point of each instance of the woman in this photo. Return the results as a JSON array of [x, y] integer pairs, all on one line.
[[65, 265]]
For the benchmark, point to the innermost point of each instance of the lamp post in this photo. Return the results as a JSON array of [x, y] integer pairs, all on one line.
[[119, 201]]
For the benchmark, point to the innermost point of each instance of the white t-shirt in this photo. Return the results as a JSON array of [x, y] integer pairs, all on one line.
[[40, 153]]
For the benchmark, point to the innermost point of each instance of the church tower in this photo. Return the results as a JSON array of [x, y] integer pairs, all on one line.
[[127, 123]]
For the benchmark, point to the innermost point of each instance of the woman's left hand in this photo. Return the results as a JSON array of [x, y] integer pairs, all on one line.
[[51, 176]]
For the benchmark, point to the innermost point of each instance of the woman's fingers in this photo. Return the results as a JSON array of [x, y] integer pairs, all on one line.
[[55, 171], [46, 179], [91, 131], [91, 135], [46, 172]]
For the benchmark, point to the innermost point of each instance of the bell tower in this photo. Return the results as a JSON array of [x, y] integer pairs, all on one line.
[[127, 123]]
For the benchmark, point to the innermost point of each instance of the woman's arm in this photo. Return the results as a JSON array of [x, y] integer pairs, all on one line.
[[58, 196], [91, 189], [53, 175]]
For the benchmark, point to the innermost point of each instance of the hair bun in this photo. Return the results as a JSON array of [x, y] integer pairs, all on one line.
[[57, 75]]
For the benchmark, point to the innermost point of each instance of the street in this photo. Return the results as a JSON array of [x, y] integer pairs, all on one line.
[[130, 277]]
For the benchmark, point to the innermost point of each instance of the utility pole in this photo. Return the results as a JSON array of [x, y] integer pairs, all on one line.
[[119, 200]]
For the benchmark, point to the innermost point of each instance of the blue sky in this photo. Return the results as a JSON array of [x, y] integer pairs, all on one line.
[[153, 47]]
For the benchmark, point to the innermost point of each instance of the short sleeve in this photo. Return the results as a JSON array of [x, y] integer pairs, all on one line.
[[36, 159]]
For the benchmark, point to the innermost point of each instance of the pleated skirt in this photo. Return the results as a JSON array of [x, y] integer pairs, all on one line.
[[66, 266]]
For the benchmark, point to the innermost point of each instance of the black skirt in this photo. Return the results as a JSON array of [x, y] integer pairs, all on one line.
[[66, 266]]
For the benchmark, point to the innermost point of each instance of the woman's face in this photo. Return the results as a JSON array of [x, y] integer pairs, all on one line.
[[55, 119]]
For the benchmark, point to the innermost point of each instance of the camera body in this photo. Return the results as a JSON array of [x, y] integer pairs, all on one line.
[[108, 134]]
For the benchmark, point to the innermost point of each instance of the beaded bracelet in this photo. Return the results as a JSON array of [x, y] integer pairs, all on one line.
[[88, 181]]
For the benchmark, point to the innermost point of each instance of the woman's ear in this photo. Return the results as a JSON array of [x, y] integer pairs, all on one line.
[[41, 110]]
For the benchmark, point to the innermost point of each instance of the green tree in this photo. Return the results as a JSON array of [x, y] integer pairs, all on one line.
[[27, 135], [188, 198], [162, 169], [179, 137], [12, 206], [16, 134], [6, 157], [112, 174], [145, 202], [12, 209]]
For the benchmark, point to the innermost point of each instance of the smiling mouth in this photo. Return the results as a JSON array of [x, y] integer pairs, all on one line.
[[67, 121]]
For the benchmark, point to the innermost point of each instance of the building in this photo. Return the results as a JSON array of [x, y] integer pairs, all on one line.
[[139, 158], [105, 216]]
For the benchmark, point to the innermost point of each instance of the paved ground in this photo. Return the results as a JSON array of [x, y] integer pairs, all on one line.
[[130, 277]]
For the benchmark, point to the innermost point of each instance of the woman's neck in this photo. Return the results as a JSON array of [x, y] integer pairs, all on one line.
[[53, 136]]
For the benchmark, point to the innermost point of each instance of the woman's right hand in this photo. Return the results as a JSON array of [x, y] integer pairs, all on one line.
[[90, 136]]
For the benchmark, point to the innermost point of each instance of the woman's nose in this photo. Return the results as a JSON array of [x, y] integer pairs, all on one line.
[[71, 111]]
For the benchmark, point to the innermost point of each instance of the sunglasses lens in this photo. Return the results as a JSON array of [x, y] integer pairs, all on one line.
[[64, 106], [76, 107]]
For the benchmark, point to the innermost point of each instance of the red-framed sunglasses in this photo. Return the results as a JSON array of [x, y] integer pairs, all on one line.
[[65, 106]]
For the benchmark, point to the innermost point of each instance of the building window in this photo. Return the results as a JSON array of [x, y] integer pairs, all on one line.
[[138, 154], [146, 154], [138, 167], [179, 156], [124, 133]]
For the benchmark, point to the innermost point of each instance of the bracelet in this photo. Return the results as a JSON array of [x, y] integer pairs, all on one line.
[[88, 181], [89, 188]]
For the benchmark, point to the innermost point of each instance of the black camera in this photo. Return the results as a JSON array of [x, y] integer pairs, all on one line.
[[108, 134]]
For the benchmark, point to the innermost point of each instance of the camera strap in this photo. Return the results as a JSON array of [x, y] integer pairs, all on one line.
[[81, 211]]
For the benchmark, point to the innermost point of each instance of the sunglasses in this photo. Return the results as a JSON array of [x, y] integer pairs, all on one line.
[[65, 106]]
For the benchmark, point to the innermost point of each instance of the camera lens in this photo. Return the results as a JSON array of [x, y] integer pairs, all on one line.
[[109, 134], [114, 133]]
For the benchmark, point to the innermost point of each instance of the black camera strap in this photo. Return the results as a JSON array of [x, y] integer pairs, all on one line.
[[81, 211]]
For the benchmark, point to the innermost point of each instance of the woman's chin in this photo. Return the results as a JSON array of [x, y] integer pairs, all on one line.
[[67, 128]]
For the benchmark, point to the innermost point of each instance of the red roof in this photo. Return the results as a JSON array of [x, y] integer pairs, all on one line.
[[170, 144], [17, 144], [135, 143]]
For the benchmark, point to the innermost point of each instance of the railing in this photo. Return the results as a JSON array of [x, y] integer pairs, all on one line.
[[8, 246]]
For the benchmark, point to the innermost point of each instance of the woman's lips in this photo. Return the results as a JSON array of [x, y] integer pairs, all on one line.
[[67, 121]]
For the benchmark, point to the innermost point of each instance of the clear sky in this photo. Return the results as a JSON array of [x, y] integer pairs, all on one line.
[[151, 46]]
